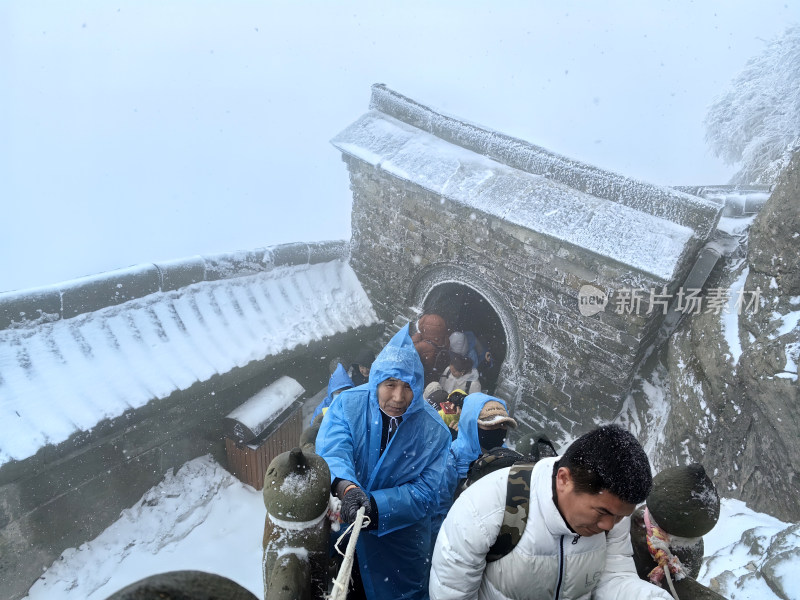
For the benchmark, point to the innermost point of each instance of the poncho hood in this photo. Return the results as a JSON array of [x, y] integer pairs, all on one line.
[[399, 360], [466, 447], [339, 380]]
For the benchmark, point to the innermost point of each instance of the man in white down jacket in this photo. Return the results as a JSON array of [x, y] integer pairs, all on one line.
[[575, 542]]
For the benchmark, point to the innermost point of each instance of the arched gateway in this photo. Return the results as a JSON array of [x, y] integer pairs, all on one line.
[[468, 303], [574, 266]]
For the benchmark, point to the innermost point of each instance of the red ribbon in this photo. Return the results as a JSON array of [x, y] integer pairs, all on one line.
[[658, 546]]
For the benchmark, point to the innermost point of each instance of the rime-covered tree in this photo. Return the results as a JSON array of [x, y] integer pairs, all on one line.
[[756, 123]]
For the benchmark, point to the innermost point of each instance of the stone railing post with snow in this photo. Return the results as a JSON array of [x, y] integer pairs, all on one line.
[[297, 529]]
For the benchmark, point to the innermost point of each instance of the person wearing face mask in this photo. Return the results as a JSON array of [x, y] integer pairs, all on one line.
[[386, 448], [483, 424], [493, 424]]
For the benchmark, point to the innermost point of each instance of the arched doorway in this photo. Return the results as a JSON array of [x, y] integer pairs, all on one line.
[[465, 298], [465, 309]]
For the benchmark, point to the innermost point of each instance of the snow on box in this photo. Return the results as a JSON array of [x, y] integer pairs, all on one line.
[[63, 377], [643, 241], [252, 417]]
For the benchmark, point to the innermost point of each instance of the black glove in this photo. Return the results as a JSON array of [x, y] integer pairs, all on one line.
[[352, 501]]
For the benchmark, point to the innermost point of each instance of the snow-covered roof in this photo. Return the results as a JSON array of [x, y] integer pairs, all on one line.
[[28, 307], [57, 378], [643, 226]]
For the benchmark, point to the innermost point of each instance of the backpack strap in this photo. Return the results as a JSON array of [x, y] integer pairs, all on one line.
[[515, 516]]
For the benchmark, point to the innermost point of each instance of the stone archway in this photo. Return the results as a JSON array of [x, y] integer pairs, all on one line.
[[467, 302], [535, 227]]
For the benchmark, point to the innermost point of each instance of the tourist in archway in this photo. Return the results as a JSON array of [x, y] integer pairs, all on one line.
[[359, 370], [433, 345], [460, 374]]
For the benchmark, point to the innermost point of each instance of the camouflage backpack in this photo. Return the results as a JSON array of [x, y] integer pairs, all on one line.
[[518, 489], [515, 517]]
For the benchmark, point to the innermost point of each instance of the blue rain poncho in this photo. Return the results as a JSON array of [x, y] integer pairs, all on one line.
[[404, 482], [340, 380], [464, 449]]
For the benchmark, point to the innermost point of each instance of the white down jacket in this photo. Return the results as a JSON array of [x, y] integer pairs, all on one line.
[[549, 562], [450, 382]]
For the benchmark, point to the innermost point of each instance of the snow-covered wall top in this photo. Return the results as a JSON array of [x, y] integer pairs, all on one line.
[[642, 240], [697, 213], [31, 307], [67, 375]]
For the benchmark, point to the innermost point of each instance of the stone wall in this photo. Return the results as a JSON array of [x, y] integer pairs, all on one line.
[[564, 369], [68, 494], [438, 200]]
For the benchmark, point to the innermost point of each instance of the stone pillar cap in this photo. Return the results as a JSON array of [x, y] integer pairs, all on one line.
[[684, 501]]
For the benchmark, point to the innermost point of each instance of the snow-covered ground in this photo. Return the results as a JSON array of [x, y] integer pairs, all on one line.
[[199, 518], [736, 550], [202, 518]]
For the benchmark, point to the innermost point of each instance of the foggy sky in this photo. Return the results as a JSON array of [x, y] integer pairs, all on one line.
[[139, 131]]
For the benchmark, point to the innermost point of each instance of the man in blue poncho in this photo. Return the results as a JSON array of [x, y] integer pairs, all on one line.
[[386, 448], [338, 382]]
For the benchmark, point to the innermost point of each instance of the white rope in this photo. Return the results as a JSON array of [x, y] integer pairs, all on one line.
[[669, 582], [343, 578]]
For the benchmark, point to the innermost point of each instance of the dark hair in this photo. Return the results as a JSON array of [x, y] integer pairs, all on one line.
[[461, 363], [609, 458], [365, 358], [457, 398]]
